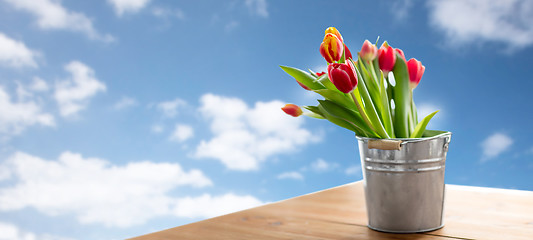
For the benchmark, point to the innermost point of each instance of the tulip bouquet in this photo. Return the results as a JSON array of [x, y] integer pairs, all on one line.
[[371, 95]]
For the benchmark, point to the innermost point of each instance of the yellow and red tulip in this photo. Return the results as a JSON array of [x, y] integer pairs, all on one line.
[[335, 32], [416, 70], [368, 51], [331, 48], [292, 110], [343, 76]]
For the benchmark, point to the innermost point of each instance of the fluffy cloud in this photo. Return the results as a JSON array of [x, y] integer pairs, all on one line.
[[353, 170], [11, 232], [206, 206], [170, 108], [95, 190], [291, 175], [494, 145], [125, 102], [15, 54], [128, 6], [469, 21], [39, 85], [320, 165], [244, 136], [182, 132], [257, 7], [400, 9], [73, 94], [51, 15], [16, 116], [166, 13]]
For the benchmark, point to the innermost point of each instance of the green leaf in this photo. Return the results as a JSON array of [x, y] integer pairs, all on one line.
[[314, 112], [370, 108], [386, 115], [432, 133], [351, 117], [402, 98], [339, 122], [303, 77], [324, 80], [338, 97], [421, 127]]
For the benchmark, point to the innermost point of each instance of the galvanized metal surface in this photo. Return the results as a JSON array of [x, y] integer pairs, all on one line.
[[404, 189]]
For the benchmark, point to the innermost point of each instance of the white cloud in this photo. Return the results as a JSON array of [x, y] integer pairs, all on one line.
[[353, 170], [11, 232], [166, 13], [51, 15], [320, 165], [494, 145], [291, 175], [244, 136], [15, 54], [39, 85], [182, 133], [207, 206], [128, 6], [230, 26], [170, 108], [400, 8], [94, 190], [125, 102], [16, 116], [156, 128], [257, 7], [471, 21], [73, 94]]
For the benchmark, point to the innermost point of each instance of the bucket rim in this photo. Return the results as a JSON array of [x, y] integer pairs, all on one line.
[[406, 140]]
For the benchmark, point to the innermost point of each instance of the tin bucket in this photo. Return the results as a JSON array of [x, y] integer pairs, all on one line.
[[404, 187]]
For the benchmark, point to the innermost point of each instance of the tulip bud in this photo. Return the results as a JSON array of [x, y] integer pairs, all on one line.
[[335, 32], [399, 51], [416, 70], [387, 59], [303, 86], [343, 76], [369, 51], [331, 48], [347, 53], [292, 110], [320, 73]]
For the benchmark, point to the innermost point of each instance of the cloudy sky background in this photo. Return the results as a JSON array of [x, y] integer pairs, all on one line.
[[124, 117]]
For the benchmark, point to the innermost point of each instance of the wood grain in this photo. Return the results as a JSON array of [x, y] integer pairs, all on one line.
[[339, 213]]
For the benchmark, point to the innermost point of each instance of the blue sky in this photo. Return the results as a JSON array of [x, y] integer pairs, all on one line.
[[120, 118]]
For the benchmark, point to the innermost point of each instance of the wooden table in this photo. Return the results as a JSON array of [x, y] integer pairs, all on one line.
[[339, 213]]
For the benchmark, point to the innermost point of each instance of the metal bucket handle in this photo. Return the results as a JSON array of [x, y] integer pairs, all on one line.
[[396, 144]]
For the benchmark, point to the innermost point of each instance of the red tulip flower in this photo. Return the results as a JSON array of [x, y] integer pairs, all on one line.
[[320, 73], [369, 51], [331, 48], [343, 76], [347, 53], [292, 110], [387, 59], [399, 51], [416, 70]]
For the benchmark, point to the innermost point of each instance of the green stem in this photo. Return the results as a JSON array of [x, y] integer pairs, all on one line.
[[362, 111]]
